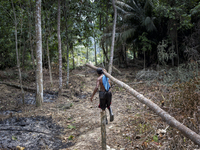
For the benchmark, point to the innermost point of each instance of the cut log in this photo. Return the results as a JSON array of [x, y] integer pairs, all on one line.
[[103, 130], [160, 112]]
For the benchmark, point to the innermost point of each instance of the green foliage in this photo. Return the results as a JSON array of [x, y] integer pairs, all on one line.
[[71, 127], [139, 23], [195, 10], [14, 138], [71, 137], [145, 42], [155, 138], [163, 54]]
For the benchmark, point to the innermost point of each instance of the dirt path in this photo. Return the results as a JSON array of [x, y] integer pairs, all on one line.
[[74, 112], [86, 118], [134, 125]]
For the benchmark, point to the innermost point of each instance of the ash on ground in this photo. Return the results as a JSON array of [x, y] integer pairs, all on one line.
[[47, 98], [32, 133]]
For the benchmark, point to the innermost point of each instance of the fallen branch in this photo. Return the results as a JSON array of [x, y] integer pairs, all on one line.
[[164, 115], [28, 88], [25, 130], [119, 72], [18, 86]]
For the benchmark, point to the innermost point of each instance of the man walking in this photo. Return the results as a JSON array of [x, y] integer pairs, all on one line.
[[105, 95]]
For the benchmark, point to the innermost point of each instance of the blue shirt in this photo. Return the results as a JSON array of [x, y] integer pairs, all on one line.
[[106, 83]]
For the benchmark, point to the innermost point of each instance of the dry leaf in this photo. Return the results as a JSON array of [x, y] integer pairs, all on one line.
[[20, 148]]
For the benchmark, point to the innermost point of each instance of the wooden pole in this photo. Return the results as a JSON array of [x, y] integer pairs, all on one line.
[[103, 130], [160, 112]]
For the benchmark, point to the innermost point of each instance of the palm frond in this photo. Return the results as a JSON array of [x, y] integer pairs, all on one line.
[[121, 10], [127, 34], [124, 5], [149, 24]]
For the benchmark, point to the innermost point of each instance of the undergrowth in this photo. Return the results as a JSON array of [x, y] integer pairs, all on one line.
[[183, 103]]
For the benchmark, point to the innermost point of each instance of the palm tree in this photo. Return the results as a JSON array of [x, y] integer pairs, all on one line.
[[136, 17]]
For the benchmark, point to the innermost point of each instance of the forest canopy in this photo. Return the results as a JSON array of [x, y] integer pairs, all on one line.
[[164, 32]]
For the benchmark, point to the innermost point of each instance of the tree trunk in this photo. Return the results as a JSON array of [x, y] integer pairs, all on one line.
[[160, 112], [24, 54], [30, 37], [49, 63], [39, 75], [60, 52], [87, 54], [144, 60], [67, 42], [17, 55], [113, 38], [95, 50], [104, 51], [73, 55]]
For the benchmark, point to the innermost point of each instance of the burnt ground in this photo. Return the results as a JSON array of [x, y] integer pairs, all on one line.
[[71, 121]]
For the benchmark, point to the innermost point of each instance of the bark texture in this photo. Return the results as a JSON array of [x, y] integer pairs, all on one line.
[[39, 74], [60, 52], [113, 38], [160, 112], [67, 43], [49, 63], [103, 130], [17, 55]]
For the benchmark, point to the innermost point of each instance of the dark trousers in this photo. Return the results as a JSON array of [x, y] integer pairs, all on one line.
[[105, 99]]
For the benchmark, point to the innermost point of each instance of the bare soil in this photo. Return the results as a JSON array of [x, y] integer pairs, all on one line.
[[134, 125]]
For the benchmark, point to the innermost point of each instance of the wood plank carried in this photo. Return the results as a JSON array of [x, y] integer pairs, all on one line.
[[154, 107]]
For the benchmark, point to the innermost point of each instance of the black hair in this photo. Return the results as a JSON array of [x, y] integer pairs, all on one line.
[[99, 71]]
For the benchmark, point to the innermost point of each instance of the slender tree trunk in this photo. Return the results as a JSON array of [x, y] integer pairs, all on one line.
[[95, 50], [20, 44], [24, 53], [67, 42], [49, 63], [104, 51], [17, 55], [73, 55], [113, 38], [39, 74], [87, 54], [60, 52], [160, 112], [177, 46], [144, 60], [173, 57], [30, 36]]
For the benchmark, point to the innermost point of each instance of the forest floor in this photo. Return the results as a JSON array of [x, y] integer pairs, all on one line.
[[72, 122]]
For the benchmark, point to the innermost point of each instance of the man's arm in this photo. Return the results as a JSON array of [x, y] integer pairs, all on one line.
[[95, 90]]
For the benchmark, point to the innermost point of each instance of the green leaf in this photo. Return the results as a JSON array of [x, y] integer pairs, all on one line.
[[155, 138], [14, 138], [71, 127], [70, 137]]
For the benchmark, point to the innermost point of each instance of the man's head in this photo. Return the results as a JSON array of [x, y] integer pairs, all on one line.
[[99, 71]]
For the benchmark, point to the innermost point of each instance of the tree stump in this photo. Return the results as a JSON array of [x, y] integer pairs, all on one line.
[[103, 130]]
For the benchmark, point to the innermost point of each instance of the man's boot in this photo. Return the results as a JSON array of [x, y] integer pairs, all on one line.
[[111, 114]]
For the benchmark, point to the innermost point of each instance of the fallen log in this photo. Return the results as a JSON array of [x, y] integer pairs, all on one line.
[[29, 88], [14, 128], [19, 87], [160, 112]]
